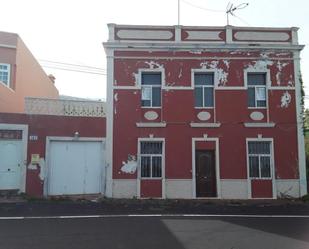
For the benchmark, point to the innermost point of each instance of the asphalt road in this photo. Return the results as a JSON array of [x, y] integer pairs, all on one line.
[[156, 232]]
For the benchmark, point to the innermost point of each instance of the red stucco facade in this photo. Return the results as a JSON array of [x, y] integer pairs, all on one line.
[[230, 123], [43, 126]]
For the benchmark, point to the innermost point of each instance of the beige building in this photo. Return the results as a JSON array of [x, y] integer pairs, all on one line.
[[20, 75]]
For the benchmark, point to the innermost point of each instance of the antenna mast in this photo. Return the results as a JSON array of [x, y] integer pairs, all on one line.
[[178, 13], [230, 8]]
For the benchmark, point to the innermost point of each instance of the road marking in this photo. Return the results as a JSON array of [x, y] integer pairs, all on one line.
[[150, 215]]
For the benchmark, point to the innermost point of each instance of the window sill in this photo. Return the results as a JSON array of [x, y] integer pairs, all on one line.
[[151, 178], [258, 108], [204, 107], [151, 124], [259, 125], [260, 178], [151, 107], [206, 125]]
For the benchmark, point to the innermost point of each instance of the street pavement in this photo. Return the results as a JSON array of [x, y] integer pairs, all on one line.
[[147, 224], [158, 232]]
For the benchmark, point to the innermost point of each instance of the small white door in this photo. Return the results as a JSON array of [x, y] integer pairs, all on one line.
[[75, 167], [10, 164]]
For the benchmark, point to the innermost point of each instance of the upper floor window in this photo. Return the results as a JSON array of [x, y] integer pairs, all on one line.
[[256, 89], [259, 154], [151, 159], [204, 89], [151, 89], [5, 74]]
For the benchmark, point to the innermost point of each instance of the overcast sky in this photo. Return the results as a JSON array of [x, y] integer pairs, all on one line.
[[72, 31]]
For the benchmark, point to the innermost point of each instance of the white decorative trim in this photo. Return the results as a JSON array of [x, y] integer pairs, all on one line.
[[9, 75], [252, 70], [202, 45], [217, 154], [7, 46], [109, 123], [261, 36], [144, 34], [292, 88], [259, 125], [274, 188], [213, 35], [230, 88], [60, 107], [24, 129], [207, 125], [139, 140], [256, 115], [151, 124], [151, 115], [50, 139], [150, 70], [300, 135], [216, 83]]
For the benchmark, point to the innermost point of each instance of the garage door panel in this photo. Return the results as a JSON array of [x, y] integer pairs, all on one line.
[[94, 172], [75, 167], [10, 164]]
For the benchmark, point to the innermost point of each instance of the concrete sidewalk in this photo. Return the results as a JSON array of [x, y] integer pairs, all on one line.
[[25, 208]]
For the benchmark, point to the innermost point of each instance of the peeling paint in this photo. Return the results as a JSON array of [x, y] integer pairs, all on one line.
[[280, 67], [180, 73], [135, 75], [153, 64], [130, 165], [260, 65], [196, 51], [32, 166], [42, 174], [226, 63], [220, 73], [285, 100], [116, 97]]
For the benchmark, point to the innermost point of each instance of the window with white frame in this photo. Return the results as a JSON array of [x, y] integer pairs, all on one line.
[[5, 74], [256, 89], [151, 89], [259, 155], [151, 159], [204, 89]]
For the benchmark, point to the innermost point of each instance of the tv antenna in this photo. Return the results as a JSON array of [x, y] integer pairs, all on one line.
[[230, 8]]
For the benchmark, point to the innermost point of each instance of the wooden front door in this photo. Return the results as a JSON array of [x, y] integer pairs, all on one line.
[[206, 184]]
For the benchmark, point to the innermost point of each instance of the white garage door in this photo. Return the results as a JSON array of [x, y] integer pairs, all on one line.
[[75, 167], [10, 164]]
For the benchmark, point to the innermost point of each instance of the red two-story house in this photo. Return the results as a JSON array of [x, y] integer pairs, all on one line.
[[204, 112]]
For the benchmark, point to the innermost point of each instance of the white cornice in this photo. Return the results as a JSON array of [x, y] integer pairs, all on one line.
[[198, 45], [7, 46]]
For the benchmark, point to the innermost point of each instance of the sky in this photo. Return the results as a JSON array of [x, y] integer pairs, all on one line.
[[72, 31]]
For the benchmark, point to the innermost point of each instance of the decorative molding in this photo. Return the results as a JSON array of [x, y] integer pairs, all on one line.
[[203, 115], [151, 125], [61, 107], [259, 125], [262, 36], [257, 116], [205, 125], [151, 115]]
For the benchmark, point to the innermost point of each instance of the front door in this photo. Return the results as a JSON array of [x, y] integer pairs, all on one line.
[[10, 164], [206, 185]]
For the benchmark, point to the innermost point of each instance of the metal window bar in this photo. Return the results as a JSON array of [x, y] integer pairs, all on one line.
[[151, 159], [260, 150]]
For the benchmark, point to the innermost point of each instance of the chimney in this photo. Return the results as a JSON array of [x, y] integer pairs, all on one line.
[[52, 78]]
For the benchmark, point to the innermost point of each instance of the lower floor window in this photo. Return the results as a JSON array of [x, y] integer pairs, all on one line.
[[151, 159], [259, 155]]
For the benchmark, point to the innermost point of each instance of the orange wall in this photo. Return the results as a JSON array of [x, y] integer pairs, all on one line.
[[28, 79]]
